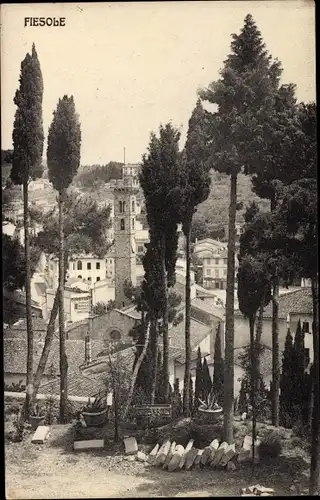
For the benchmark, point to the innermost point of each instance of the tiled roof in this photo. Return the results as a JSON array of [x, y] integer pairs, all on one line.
[[15, 354], [78, 385], [19, 297], [19, 329], [294, 302], [198, 303], [198, 331]]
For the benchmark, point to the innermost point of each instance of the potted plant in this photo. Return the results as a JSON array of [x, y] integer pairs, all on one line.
[[210, 409], [37, 416], [94, 413]]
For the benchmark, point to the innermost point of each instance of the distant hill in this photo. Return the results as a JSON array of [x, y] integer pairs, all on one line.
[[93, 176]]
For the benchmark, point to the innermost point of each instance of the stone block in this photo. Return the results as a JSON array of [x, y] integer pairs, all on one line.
[[153, 453], [219, 454], [89, 444], [162, 453], [169, 455], [190, 458], [231, 466], [229, 453], [176, 458], [41, 434], [198, 459], [141, 457], [131, 445]]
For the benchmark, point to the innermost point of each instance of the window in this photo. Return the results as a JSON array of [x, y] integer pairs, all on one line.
[[132, 206], [79, 265], [132, 223], [217, 261], [216, 272], [80, 277], [97, 265], [76, 306], [225, 272], [88, 265], [140, 248], [208, 272], [89, 279], [115, 335], [98, 278], [122, 224], [110, 261], [305, 327], [217, 285], [121, 207], [73, 266]]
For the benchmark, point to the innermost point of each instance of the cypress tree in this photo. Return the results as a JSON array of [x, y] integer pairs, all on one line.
[[218, 368], [207, 382], [160, 179], [199, 379], [63, 158], [286, 382], [26, 165], [298, 373], [197, 181]]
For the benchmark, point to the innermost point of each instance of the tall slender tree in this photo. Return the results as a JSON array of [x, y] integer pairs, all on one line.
[[218, 367], [245, 88], [252, 282], [63, 158], [160, 178], [26, 165], [196, 190], [286, 382]]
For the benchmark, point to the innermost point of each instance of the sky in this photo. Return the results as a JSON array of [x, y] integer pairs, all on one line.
[[133, 66]]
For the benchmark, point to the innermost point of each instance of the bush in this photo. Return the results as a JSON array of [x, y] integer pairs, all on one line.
[[270, 446]]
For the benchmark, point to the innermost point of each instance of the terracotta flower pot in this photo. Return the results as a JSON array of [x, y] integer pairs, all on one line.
[[210, 415], [35, 421], [95, 419]]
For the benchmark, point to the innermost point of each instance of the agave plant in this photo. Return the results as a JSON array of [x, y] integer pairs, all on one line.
[[211, 403], [99, 404]]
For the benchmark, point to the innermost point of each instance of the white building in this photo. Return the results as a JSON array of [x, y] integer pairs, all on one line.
[[214, 257]]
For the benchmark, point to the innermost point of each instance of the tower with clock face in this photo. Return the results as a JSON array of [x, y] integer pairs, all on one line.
[[125, 192]]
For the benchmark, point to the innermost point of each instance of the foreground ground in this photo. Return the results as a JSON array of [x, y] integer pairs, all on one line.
[[54, 471]]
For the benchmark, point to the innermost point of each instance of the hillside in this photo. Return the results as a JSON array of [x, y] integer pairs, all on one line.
[[214, 211]]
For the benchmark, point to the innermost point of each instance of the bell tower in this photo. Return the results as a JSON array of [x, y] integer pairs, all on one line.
[[125, 192]]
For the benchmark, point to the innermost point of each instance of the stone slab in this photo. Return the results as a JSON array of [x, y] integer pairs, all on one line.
[[41, 434], [88, 445], [131, 445]]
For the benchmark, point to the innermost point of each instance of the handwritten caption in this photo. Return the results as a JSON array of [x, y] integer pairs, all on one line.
[[44, 21]]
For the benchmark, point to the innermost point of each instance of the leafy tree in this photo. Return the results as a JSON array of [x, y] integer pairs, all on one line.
[[197, 181], [218, 367], [246, 87], [160, 178], [296, 217], [85, 231], [63, 159], [102, 307], [26, 164]]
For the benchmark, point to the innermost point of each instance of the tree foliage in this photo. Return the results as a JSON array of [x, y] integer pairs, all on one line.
[[64, 140], [218, 368], [28, 127]]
